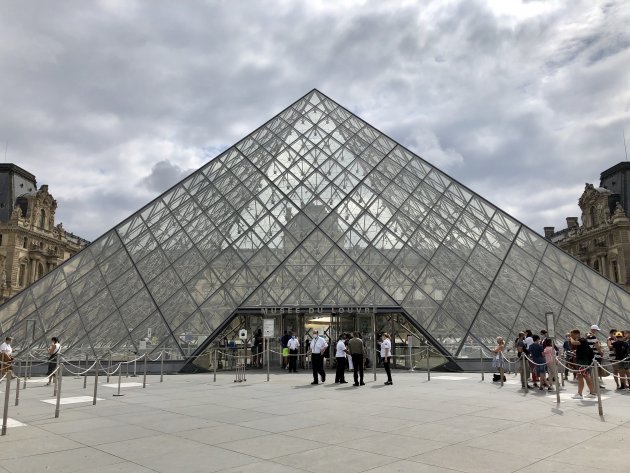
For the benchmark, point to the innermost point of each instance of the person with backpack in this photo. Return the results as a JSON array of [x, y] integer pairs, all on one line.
[[583, 359], [620, 350]]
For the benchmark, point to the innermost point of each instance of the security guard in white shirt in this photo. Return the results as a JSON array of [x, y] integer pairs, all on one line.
[[293, 344], [318, 347]]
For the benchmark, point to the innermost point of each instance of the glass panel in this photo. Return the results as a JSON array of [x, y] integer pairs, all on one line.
[[125, 286], [448, 262], [484, 261], [434, 283], [512, 283], [552, 283], [473, 283]]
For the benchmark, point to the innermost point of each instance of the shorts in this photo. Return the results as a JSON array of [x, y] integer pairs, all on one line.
[[285, 352], [541, 369]]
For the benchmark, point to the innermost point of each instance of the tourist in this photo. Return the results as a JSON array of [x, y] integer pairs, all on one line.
[[521, 351], [340, 358], [53, 352], [569, 356], [357, 352], [591, 338], [6, 357], [538, 361], [583, 358], [284, 340], [549, 352], [620, 350], [318, 347], [293, 345], [497, 359], [386, 356]]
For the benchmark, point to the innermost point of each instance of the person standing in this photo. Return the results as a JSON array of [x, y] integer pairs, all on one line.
[[53, 352], [318, 347], [340, 357], [386, 356], [593, 342], [6, 357], [284, 341], [583, 358], [497, 359], [357, 350], [293, 345]]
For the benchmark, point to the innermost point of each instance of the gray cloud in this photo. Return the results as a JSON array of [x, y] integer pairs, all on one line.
[[109, 102]]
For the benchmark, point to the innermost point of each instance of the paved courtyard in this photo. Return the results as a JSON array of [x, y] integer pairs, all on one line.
[[188, 423]]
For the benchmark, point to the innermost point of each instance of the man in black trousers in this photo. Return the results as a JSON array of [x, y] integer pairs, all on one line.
[[357, 350], [318, 347]]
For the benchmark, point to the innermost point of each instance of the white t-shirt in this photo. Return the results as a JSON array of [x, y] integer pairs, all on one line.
[[318, 345], [341, 349], [293, 344], [6, 349], [528, 341], [386, 348]]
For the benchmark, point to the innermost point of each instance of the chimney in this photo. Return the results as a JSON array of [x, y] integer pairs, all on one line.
[[572, 222], [549, 231]]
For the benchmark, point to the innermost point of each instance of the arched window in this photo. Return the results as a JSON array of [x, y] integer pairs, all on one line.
[[593, 217], [42, 219]]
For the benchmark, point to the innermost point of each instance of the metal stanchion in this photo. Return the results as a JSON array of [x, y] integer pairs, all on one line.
[[95, 382], [56, 377], [59, 376], [135, 373], [428, 365], [7, 395], [268, 356], [85, 374], [78, 373], [144, 376], [481, 362], [119, 377], [109, 366], [25, 374], [524, 380], [374, 354], [162, 366], [17, 391], [215, 365], [127, 365], [556, 375], [501, 372], [595, 381]]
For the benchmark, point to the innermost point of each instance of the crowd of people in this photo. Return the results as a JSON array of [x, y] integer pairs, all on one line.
[[545, 359]]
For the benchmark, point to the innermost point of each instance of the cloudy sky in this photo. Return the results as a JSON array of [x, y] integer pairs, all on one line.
[[111, 102]]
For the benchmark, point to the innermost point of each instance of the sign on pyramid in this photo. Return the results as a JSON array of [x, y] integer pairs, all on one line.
[[314, 216]]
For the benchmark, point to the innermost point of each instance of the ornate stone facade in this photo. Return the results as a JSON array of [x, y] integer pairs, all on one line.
[[603, 239], [31, 245]]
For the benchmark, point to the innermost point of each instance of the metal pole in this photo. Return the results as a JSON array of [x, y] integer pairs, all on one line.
[[428, 366], [144, 376], [95, 382], [595, 381], [135, 373], [127, 365], [7, 395], [17, 391], [266, 339], [119, 376], [58, 385], [215, 365], [55, 377], [25, 374], [481, 362], [162, 366], [556, 373], [524, 380], [86, 370], [109, 365], [374, 354]]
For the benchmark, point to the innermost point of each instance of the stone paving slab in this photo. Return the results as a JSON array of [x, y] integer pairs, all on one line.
[[456, 423]]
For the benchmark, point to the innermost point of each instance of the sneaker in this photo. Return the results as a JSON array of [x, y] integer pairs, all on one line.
[[591, 396], [549, 388], [362, 383], [577, 396], [343, 382], [355, 384], [535, 385], [314, 382]]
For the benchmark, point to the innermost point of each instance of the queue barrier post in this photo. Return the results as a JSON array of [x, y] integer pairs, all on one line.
[[144, 375], [556, 375], [55, 376], [595, 381], [109, 366], [85, 374], [7, 395], [266, 339], [162, 366], [25, 374], [524, 380], [17, 391], [215, 365], [428, 365], [127, 365], [119, 377], [95, 381], [59, 376]]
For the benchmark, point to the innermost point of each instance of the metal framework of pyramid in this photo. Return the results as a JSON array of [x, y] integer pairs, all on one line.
[[314, 208]]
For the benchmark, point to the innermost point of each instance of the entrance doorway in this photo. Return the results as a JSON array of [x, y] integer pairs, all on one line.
[[409, 346]]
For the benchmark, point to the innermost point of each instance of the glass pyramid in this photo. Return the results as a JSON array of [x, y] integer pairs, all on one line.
[[315, 208]]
